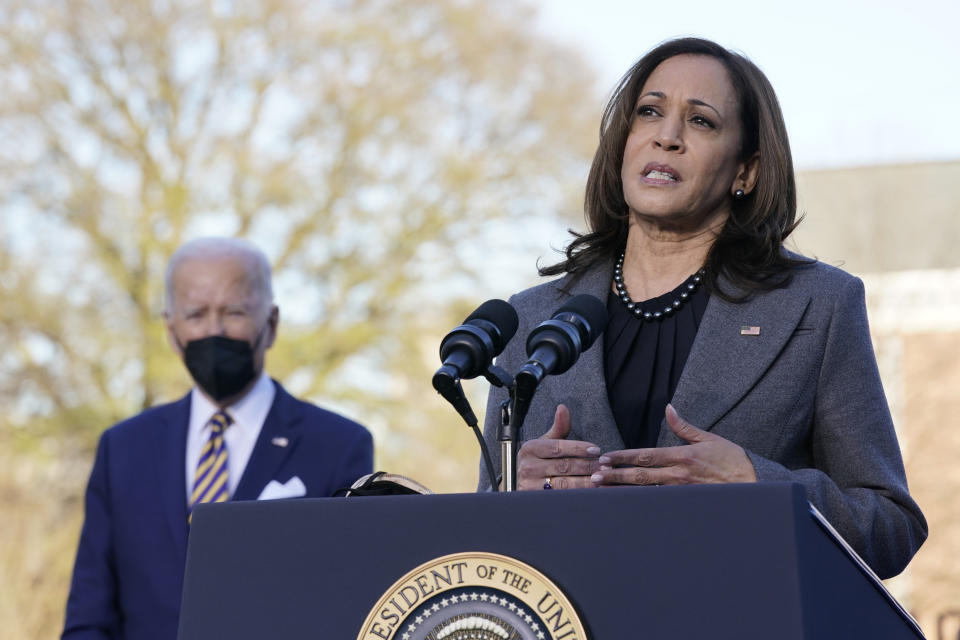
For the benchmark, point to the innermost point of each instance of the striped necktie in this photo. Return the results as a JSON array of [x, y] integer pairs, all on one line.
[[210, 480]]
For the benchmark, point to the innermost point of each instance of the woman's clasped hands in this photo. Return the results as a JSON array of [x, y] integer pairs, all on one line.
[[552, 461]]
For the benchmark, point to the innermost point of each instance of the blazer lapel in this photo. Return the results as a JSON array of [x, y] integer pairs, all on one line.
[[171, 447], [595, 422], [281, 426], [735, 345]]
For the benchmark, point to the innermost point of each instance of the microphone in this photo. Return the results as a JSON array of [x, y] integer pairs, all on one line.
[[555, 345], [468, 351]]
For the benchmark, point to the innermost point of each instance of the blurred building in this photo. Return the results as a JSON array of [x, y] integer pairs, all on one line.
[[898, 227]]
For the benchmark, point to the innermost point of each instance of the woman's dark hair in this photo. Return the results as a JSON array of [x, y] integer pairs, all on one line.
[[749, 249]]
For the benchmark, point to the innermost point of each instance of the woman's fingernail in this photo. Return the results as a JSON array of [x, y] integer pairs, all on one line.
[[604, 460], [597, 477], [593, 450]]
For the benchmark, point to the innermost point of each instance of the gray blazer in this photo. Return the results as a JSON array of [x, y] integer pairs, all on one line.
[[803, 398]]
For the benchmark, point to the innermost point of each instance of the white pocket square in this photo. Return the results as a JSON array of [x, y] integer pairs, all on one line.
[[292, 488]]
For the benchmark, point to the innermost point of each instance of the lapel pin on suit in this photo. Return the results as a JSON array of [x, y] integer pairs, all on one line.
[[280, 441], [749, 331]]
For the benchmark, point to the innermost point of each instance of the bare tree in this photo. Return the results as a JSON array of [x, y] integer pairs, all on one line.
[[376, 149], [366, 145]]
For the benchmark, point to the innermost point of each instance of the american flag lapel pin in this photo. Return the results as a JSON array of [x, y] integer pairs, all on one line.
[[749, 331], [280, 442]]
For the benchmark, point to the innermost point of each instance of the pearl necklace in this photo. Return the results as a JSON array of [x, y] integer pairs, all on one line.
[[692, 283]]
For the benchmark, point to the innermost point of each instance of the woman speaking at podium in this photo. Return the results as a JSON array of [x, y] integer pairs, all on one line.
[[726, 357]]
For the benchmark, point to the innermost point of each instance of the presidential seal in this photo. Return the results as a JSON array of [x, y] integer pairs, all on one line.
[[473, 596]]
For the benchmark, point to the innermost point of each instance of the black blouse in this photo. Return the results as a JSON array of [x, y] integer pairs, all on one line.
[[643, 361]]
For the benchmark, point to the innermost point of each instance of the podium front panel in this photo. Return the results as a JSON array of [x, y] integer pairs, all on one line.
[[719, 561]]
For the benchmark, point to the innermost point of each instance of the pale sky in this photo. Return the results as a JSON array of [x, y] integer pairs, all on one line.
[[860, 82]]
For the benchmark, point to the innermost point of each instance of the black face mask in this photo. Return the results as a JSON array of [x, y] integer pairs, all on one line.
[[221, 366]]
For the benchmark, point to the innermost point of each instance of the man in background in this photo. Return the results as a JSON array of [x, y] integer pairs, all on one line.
[[237, 435]]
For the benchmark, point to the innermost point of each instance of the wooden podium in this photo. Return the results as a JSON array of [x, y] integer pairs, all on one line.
[[717, 561]]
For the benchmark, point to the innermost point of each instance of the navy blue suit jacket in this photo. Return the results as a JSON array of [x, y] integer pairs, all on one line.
[[128, 576]]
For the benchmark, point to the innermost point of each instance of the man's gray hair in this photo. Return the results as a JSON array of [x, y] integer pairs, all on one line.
[[258, 266]]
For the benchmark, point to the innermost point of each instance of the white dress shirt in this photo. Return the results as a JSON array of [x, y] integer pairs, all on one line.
[[248, 413]]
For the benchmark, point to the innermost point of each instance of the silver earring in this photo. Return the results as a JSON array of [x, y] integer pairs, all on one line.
[[738, 194]]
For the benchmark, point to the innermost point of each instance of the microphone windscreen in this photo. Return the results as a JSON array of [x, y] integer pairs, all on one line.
[[499, 313], [590, 309]]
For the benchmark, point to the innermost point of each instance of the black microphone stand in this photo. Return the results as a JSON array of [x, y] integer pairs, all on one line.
[[449, 387], [508, 456], [512, 415], [513, 412], [507, 436]]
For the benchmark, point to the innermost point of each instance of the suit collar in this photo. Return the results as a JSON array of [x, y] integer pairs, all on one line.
[[248, 413], [726, 361], [170, 439], [722, 367], [595, 422], [595, 280], [278, 438], [171, 444]]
